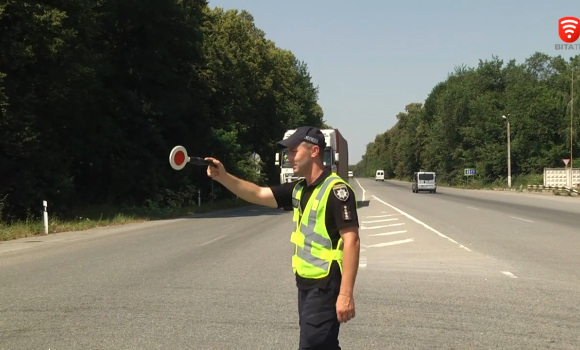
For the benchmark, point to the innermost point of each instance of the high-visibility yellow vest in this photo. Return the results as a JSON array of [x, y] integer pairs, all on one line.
[[313, 254]]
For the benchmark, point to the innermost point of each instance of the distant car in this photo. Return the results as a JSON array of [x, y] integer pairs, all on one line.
[[380, 175], [350, 174]]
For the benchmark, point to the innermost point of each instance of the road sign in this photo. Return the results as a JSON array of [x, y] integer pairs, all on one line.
[[469, 171], [566, 161], [178, 157], [256, 159]]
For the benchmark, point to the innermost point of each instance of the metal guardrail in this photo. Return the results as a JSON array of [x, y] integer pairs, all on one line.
[[538, 188]]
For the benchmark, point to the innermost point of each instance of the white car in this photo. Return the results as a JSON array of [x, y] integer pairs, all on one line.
[[350, 174], [380, 175]]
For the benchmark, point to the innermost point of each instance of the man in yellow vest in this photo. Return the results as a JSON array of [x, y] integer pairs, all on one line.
[[325, 236]]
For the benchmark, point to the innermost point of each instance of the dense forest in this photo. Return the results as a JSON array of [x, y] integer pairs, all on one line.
[[95, 94], [461, 125]]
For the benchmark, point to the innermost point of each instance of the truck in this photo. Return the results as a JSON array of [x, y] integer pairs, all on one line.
[[335, 156]]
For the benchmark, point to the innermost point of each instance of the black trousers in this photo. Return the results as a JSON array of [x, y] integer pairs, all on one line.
[[319, 324]]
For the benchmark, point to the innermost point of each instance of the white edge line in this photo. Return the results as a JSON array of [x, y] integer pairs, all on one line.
[[474, 208], [362, 262], [362, 188], [380, 216], [212, 240], [513, 217], [509, 274], [422, 223]]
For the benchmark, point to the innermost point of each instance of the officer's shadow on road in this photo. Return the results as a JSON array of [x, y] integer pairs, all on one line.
[[362, 204]]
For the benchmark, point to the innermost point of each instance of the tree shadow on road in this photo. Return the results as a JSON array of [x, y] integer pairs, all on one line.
[[249, 211], [246, 211]]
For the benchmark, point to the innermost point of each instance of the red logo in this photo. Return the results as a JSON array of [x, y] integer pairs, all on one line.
[[569, 29]]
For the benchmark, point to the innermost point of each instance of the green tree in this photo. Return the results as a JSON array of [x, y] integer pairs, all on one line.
[[94, 95], [460, 124]]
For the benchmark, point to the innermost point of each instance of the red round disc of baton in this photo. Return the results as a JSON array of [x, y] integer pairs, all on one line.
[[178, 157]]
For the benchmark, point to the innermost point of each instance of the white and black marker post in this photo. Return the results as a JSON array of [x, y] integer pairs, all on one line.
[[45, 205]]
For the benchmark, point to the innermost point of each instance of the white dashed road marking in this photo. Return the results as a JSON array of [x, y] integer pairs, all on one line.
[[380, 245], [422, 223], [388, 217], [385, 220], [509, 274], [513, 217], [376, 227], [212, 240], [387, 233]]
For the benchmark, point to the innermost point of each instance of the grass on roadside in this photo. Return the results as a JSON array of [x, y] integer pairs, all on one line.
[[519, 183], [100, 216]]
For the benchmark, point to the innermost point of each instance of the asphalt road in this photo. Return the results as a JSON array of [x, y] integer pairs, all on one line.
[[452, 270]]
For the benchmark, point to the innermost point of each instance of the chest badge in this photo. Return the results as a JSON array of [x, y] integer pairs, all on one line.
[[295, 203]]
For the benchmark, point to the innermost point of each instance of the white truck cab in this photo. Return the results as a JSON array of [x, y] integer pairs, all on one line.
[[380, 175]]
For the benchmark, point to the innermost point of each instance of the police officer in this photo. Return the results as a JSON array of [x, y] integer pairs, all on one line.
[[325, 235]]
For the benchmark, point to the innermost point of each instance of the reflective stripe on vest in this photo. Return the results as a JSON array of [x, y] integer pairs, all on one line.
[[313, 252]]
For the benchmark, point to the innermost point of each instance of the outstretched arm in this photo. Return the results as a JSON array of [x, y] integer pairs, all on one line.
[[248, 191], [274, 197]]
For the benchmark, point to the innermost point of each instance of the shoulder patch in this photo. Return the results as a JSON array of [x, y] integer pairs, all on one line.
[[341, 192]]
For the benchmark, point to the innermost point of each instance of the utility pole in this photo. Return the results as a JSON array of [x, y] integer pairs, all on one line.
[[571, 132], [509, 151]]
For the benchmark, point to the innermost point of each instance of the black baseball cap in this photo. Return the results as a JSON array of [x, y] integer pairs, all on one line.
[[308, 134]]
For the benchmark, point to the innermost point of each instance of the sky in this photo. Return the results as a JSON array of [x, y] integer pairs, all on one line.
[[370, 61]]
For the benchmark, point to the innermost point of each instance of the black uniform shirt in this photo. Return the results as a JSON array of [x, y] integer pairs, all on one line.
[[339, 214]]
